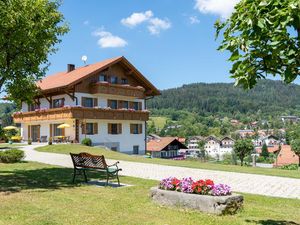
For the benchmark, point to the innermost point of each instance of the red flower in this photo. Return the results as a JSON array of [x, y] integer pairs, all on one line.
[[209, 182]]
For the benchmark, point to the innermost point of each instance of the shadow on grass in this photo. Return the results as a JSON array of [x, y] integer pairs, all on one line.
[[42, 179], [273, 222]]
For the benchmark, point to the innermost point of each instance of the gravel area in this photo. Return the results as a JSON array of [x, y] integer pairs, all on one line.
[[240, 182]]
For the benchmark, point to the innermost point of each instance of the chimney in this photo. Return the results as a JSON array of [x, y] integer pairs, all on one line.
[[71, 67]]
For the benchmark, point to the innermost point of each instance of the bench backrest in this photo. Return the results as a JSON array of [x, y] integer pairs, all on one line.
[[86, 160]]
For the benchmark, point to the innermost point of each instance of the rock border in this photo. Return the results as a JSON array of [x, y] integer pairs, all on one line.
[[219, 205]]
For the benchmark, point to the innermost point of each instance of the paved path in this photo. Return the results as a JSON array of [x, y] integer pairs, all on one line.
[[240, 182]]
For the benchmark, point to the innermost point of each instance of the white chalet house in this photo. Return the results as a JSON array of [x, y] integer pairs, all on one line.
[[105, 102], [218, 147]]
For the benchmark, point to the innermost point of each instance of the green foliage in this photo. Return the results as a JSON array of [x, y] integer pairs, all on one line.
[[229, 159], [264, 151], [243, 148], [263, 38], [86, 141], [29, 31], [290, 167], [296, 147], [11, 156]]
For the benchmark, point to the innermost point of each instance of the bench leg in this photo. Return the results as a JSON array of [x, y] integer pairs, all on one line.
[[74, 174], [85, 178], [118, 179], [107, 178]]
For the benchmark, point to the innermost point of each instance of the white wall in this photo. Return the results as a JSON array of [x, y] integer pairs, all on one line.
[[124, 141]]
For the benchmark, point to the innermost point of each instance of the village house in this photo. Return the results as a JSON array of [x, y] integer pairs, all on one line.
[[165, 147], [286, 156], [105, 102], [246, 133]]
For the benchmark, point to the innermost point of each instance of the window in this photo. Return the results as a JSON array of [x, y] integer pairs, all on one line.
[[125, 104], [113, 104], [114, 128], [114, 79], [88, 102], [102, 77], [57, 103], [90, 128], [124, 81], [33, 107], [136, 105], [57, 131], [136, 149], [136, 128]]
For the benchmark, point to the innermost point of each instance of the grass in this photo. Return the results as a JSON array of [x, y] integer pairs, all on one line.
[[159, 121], [39, 194], [13, 145], [66, 149]]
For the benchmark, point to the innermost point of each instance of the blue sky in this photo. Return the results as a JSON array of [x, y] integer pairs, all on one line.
[[170, 41]]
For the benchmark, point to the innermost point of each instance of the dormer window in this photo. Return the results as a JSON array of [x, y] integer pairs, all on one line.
[[114, 79], [103, 78]]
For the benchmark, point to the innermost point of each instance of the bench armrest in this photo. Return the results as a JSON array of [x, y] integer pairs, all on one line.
[[115, 164]]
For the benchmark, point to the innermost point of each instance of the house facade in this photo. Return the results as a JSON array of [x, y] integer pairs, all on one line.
[[218, 147], [165, 147], [105, 102]]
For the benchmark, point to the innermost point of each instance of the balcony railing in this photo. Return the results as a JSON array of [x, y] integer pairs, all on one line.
[[117, 89], [80, 113]]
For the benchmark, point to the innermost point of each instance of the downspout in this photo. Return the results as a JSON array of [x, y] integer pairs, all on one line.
[[145, 107]]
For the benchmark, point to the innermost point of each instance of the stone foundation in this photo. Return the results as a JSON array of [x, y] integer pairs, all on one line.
[[220, 205]]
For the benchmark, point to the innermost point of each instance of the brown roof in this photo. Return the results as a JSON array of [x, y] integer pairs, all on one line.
[[271, 149], [67, 79], [286, 156], [157, 145]]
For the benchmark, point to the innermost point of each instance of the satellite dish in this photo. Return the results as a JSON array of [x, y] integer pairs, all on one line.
[[84, 58]]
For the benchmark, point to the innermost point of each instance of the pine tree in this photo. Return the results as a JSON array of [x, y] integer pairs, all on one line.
[[264, 151]]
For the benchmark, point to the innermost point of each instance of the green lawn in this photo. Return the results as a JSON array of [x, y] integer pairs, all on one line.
[[66, 149], [159, 121], [33, 193], [13, 145]]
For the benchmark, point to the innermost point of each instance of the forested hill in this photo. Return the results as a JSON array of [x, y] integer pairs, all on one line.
[[267, 98]]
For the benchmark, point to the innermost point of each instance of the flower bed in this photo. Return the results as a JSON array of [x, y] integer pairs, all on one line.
[[202, 195], [201, 187]]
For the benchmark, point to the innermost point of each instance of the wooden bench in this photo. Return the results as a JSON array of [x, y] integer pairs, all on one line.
[[85, 161]]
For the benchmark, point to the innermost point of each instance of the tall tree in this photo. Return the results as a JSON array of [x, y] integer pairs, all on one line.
[[264, 151], [29, 31], [243, 148], [296, 148], [263, 37]]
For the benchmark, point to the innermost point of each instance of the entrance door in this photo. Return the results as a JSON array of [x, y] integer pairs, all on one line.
[[35, 133]]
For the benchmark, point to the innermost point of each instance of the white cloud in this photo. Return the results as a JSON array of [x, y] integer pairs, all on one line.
[[156, 25], [86, 22], [223, 8], [108, 40], [137, 18], [194, 20]]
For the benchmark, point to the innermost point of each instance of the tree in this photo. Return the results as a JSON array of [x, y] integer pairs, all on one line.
[[296, 148], [29, 31], [243, 148], [264, 151], [263, 37]]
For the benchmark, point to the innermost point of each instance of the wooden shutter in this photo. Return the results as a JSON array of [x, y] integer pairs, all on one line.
[[131, 128], [108, 103], [131, 106], [95, 102], [109, 128], [82, 101], [140, 106], [63, 133], [95, 128], [50, 127], [62, 102], [29, 132], [120, 104], [140, 128], [83, 128], [119, 128]]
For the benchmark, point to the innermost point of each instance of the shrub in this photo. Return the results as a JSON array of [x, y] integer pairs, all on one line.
[[16, 138], [86, 141], [11, 156], [290, 167]]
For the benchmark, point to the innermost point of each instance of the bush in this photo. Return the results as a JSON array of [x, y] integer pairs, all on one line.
[[86, 141], [11, 156], [290, 167], [229, 159], [16, 138]]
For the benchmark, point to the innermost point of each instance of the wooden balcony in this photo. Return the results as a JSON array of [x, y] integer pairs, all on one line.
[[117, 89], [80, 113]]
